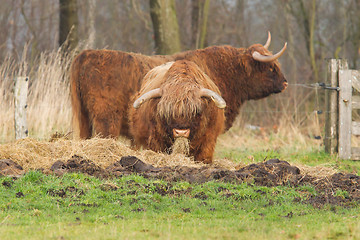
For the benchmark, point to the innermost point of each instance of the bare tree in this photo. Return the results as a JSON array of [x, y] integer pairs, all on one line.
[[166, 28], [200, 12], [68, 24], [91, 27], [355, 31], [306, 19], [5, 30], [240, 23]]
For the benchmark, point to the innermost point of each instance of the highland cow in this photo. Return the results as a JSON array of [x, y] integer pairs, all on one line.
[[103, 81], [178, 100]]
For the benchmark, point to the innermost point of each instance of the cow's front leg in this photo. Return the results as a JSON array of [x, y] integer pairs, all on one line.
[[158, 143], [204, 150]]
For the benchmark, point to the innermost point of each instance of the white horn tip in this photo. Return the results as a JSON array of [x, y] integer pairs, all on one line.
[[268, 41], [223, 105]]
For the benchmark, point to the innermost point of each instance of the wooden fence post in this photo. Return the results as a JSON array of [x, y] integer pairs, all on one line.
[[355, 102], [345, 108], [20, 97], [331, 103]]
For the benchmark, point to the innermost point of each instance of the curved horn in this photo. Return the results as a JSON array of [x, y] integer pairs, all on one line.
[[155, 93], [261, 58], [267, 44], [218, 100]]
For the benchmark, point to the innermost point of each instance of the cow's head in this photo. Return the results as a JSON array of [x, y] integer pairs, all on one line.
[[183, 99], [263, 70]]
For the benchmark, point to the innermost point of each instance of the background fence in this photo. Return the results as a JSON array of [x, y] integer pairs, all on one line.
[[341, 101]]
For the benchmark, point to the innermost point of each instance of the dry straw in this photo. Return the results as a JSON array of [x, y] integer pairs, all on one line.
[[35, 154], [320, 172]]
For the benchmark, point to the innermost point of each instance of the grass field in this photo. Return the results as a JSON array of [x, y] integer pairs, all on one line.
[[76, 206]]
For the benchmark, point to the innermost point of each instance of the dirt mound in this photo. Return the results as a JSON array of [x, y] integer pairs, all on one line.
[[10, 168], [79, 164], [338, 188], [273, 172], [100, 158], [270, 173]]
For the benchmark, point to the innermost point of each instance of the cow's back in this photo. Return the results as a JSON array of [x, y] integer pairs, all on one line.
[[102, 82]]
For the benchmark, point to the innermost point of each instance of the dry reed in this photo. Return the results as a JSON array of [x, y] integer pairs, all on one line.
[[49, 107]]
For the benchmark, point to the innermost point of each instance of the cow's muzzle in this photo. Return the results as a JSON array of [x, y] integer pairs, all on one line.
[[181, 133], [285, 85], [281, 88]]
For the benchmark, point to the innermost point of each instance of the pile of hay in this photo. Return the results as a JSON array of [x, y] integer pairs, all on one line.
[[35, 154], [320, 172]]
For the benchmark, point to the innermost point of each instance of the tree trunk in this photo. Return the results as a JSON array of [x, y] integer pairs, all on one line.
[[306, 20], [166, 28], [68, 24], [91, 25], [356, 38], [200, 12], [312, 41], [242, 38]]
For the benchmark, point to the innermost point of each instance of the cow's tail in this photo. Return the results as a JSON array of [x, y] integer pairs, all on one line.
[[75, 102], [80, 120]]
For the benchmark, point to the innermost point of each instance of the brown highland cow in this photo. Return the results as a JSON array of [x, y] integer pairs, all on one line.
[[177, 100], [103, 81]]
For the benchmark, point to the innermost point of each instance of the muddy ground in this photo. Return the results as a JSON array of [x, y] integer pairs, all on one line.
[[273, 172]]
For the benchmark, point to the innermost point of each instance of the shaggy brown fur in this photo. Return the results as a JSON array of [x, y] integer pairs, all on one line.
[[238, 76], [103, 81], [180, 107]]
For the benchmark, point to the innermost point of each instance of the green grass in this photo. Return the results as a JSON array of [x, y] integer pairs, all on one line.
[[139, 208]]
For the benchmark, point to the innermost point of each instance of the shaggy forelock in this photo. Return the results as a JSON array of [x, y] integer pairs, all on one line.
[[180, 83], [184, 102], [155, 77]]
